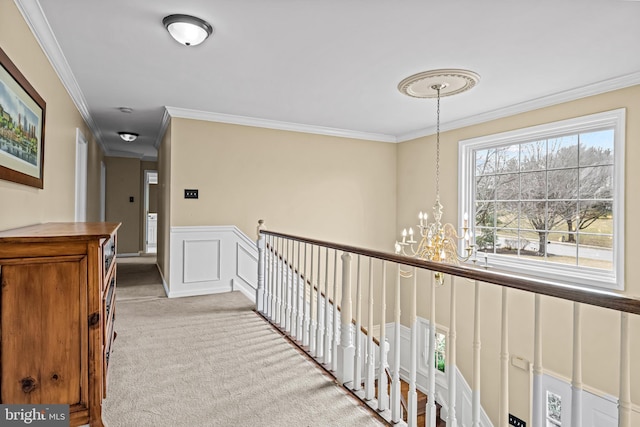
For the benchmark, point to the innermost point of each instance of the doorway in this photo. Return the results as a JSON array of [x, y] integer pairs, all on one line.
[[150, 211]]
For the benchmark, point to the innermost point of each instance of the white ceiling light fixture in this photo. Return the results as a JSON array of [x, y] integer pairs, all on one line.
[[187, 30], [128, 136]]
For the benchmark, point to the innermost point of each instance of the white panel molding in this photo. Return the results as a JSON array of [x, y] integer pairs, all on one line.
[[187, 277], [534, 104], [185, 113], [201, 260], [39, 25]]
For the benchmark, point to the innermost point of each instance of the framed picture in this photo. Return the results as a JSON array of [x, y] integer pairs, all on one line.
[[22, 112]]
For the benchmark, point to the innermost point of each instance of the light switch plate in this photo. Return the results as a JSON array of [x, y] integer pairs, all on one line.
[[190, 194]]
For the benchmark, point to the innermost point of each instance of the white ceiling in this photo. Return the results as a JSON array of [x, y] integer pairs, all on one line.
[[331, 65]]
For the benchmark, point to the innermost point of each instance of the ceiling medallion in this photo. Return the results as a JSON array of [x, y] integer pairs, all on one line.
[[451, 81]]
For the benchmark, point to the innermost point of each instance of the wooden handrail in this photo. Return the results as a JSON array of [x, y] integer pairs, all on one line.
[[595, 297]]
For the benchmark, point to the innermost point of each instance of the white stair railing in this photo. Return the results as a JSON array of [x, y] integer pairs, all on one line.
[[311, 298]]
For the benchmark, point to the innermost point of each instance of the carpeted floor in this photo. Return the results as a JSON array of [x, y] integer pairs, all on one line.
[[211, 361]]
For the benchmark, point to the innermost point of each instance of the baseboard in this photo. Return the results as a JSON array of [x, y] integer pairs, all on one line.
[[164, 282]]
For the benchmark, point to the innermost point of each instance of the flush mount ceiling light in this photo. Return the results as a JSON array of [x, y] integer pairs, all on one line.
[[187, 30], [128, 136]]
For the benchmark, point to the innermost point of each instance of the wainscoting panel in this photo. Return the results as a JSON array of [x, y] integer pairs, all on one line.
[[211, 259]]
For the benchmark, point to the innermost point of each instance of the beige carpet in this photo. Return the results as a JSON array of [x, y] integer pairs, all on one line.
[[211, 361]]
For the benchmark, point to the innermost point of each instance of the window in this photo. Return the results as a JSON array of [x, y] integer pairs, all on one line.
[[554, 410], [441, 345], [549, 200]]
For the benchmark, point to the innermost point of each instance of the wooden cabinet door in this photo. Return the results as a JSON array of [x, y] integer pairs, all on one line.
[[44, 331]]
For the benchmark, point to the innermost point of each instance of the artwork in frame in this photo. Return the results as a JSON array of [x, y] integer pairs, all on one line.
[[22, 114]]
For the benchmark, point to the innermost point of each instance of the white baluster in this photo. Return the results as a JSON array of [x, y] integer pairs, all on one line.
[[538, 407], [295, 327], [369, 377], [346, 349], [576, 377], [357, 363], [305, 307], [412, 398], [431, 362], [278, 295], [268, 259], [503, 408], [395, 379], [336, 320], [283, 284], [312, 322], [451, 365], [383, 395], [475, 386], [319, 323], [274, 278], [624, 403], [292, 289], [286, 264], [260, 291], [327, 329]]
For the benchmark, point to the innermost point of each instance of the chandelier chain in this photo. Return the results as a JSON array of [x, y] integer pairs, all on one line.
[[438, 148]]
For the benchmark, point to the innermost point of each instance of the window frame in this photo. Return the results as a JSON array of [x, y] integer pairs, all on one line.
[[567, 274]]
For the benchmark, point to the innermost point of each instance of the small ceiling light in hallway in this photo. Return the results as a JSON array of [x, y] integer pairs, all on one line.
[[187, 30], [128, 136]]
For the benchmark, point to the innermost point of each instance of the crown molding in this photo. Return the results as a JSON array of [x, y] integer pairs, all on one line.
[[274, 124], [534, 104], [39, 25], [166, 118]]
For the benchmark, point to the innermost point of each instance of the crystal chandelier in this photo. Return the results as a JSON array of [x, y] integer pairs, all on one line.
[[437, 241]]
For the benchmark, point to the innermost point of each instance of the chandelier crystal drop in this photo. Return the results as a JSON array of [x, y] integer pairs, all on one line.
[[437, 241]]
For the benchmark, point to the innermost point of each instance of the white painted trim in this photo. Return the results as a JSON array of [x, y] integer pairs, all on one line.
[[229, 263], [129, 255], [82, 153], [164, 282], [463, 390], [39, 25], [166, 119], [274, 124], [534, 104], [566, 274]]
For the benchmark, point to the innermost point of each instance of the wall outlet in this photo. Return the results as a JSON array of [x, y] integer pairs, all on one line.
[[515, 421], [190, 194]]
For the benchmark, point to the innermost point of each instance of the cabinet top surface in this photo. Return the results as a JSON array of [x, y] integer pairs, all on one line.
[[61, 230]]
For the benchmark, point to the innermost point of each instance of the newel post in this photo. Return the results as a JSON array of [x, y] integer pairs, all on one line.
[[346, 350], [261, 255]]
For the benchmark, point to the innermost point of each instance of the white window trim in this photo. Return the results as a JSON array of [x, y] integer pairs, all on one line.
[[580, 276]]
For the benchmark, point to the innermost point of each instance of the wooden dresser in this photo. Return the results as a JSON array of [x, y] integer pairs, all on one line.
[[57, 312]]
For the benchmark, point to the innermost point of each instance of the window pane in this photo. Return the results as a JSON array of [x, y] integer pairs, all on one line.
[[596, 182], [595, 250], [507, 241], [533, 156], [485, 212], [560, 250], [563, 152], [533, 215], [441, 345], [562, 184], [508, 186], [554, 407], [562, 216], [533, 186], [596, 217], [531, 244], [507, 159], [485, 187], [506, 214], [485, 162], [485, 239], [596, 148]]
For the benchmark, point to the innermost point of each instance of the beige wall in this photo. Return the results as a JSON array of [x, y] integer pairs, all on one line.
[[601, 327], [95, 158], [123, 182], [335, 189], [23, 205]]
